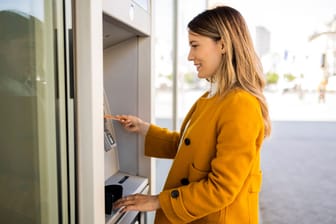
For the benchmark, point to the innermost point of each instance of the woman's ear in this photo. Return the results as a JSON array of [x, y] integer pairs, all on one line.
[[223, 49]]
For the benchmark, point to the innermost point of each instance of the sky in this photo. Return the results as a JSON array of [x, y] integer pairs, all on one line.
[[291, 22]]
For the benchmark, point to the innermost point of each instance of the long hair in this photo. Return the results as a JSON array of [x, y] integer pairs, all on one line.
[[240, 66]]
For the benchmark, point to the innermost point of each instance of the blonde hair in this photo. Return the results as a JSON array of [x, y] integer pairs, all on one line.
[[240, 66]]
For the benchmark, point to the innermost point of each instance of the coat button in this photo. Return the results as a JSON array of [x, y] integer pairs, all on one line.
[[187, 141], [174, 194], [184, 181]]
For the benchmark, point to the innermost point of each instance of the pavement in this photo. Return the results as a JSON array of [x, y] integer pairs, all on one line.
[[298, 161]]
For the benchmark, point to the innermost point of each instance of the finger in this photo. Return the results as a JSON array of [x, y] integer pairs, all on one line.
[[122, 118], [125, 124], [125, 201], [130, 125], [127, 208]]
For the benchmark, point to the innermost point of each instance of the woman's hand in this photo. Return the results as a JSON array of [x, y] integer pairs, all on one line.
[[138, 202], [133, 124]]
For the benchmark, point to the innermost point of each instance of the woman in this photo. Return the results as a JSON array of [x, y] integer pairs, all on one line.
[[215, 176]]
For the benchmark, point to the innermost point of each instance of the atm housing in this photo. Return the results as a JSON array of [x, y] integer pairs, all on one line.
[[127, 71]]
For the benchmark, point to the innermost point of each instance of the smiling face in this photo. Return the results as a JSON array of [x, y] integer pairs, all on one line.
[[206, 54]]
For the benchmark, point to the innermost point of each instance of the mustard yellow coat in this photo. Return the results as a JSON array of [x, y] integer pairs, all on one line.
[[215, 176]]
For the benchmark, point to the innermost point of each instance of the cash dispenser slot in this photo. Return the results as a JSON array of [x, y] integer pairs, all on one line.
[[129, 185]]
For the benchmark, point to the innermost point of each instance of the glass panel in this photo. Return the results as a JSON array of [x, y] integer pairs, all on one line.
[[190, 87], [164, 53], [163, 70], [28, 138], [163, 65]]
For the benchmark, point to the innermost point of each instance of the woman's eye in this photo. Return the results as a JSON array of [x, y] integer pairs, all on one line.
[[194, 46]]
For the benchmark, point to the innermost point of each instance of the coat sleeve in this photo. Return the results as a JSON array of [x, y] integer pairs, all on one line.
[[239, 128], [161, 143]]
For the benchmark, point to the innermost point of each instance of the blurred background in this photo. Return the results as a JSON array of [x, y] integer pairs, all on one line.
[[295, 41]]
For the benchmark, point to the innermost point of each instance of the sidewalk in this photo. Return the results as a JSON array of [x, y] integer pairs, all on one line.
[[298, 164], [298, 161]]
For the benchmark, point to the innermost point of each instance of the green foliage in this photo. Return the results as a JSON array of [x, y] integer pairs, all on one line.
[[170, 77], [289, 77], [272, 78], [189, 78]]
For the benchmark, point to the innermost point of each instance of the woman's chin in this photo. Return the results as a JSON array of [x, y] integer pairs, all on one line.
[[202, 76]]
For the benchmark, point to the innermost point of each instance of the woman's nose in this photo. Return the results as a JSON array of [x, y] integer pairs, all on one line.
[[190, 56]]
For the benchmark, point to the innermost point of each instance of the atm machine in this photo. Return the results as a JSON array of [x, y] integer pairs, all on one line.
[[113, 76], [126, 81]]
